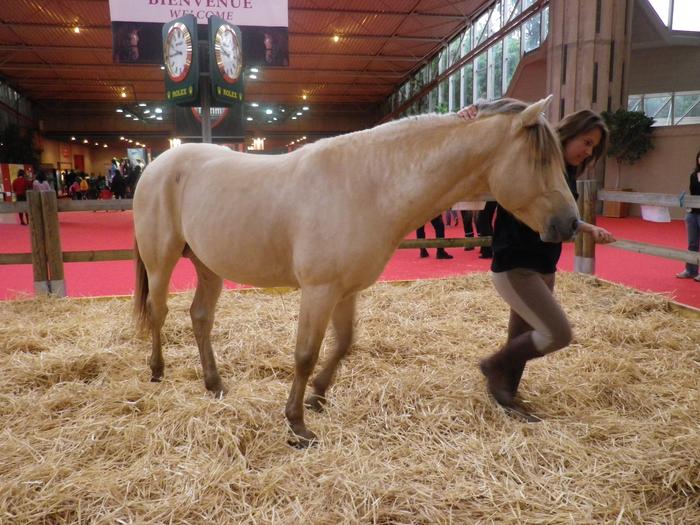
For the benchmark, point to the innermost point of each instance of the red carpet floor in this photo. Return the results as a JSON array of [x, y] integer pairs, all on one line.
[[114, 230]]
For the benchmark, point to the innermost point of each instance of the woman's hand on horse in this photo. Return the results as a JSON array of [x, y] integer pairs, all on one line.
[[468, 113]]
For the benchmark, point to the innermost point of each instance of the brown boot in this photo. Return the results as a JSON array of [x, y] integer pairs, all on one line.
[[504, 368]]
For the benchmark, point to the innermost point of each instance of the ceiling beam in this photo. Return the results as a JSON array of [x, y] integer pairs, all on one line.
[[365, 12], [353, 36], [390, 58], [126, 80]]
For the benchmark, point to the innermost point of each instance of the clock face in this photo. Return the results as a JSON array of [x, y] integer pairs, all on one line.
[[227, 51], [177, 52]]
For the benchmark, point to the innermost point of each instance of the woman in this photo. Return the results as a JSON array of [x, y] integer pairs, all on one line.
[[692, 221], [523, 267]]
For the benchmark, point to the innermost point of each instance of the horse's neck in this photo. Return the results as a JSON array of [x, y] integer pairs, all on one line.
[[435, 170]]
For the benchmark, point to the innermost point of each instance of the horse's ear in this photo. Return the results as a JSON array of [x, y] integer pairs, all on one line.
[[530, 116]]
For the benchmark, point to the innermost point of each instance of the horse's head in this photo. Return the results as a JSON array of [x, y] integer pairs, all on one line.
[[528, 178]]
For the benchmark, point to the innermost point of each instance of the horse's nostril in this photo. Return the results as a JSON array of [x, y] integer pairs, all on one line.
[[574, 225]]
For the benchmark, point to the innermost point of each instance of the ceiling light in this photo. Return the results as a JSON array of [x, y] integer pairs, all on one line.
[[336, 38], [76, 30], [104, 145], [127, 115], [298, 112], [268, 112], [305, 108], [162, 68], [294, 118], [304, 97], [142, 104], [254, 104], [120, 110], [85, 141], [274, 118], [96, 144], [159, 118], [282, 110], [249, 118], [146, 111], [122, 138], [254, 70], [158, 110], [72, 138], [253, 76], [123, 94]]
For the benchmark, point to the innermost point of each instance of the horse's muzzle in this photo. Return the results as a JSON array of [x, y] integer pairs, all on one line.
[[560, 229]]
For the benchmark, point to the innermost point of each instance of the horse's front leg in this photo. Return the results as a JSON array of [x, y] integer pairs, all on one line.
[[343, 325], [317, 304]]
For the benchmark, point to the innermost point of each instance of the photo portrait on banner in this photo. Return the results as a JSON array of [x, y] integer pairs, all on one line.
[[137, 27]]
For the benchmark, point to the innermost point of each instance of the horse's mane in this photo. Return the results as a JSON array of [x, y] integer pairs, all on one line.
[[543, 141], [393, 130]]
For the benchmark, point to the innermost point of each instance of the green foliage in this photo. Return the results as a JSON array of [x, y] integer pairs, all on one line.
[[17, 146], [630, 135]]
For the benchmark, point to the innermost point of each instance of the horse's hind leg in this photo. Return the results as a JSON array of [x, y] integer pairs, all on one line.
[[158, 281], [343, 324], [202, 313], [317, 304]]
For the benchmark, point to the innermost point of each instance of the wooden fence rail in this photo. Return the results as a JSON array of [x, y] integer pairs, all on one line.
[[47, 258]]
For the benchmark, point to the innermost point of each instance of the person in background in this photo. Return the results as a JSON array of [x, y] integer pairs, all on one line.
[[439, 234], [84, 187], [692, 222], [524, 267], [19, 188]]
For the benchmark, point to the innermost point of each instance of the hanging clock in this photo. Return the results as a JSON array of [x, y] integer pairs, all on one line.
[[227, 51], [177, 52]]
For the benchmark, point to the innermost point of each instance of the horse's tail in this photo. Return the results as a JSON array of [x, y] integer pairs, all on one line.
[[140, 294]]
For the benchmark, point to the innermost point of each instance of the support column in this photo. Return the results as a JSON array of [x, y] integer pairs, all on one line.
[[588, 55]]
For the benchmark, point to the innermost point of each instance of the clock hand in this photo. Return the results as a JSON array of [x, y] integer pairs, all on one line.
[[175, 54]]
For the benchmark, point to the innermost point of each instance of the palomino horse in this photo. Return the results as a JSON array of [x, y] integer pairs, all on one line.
[[326, 218]]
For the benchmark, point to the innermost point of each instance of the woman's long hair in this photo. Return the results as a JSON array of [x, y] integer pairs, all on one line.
[[697, 163], [581, 122]]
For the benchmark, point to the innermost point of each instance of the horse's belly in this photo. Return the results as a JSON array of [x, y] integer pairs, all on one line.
[[246, 266]]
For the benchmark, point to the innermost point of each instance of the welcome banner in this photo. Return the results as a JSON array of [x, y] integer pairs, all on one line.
[[137, 25]]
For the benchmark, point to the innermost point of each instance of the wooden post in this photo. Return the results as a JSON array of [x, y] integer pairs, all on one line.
[[52, 238], [584, 260], [36, 224]]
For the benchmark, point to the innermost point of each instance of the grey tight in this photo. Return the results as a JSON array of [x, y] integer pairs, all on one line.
[[534, 308]]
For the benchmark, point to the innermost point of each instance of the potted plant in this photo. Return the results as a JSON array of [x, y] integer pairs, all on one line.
[[630, 139]]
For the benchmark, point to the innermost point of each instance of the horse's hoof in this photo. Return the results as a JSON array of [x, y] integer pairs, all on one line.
[[219, 391], [315, 402], [303, 439], [156, 379]]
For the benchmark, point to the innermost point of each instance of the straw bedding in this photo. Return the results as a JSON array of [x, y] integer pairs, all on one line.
[[409, 436]]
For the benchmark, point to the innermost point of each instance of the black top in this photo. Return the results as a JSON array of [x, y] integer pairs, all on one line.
[[695, 188], [515, 245]]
